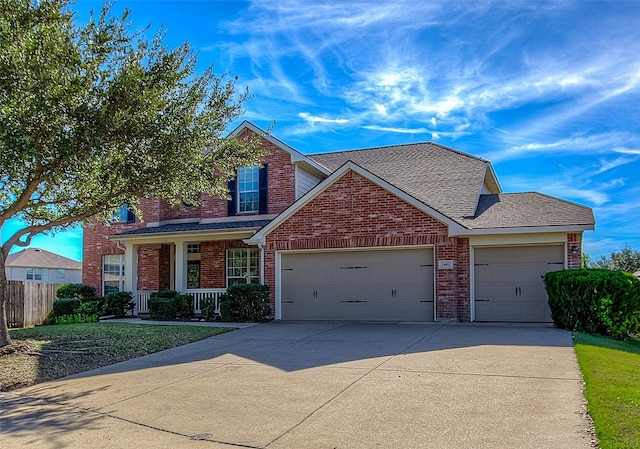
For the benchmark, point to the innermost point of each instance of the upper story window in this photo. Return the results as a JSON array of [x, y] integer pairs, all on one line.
[[37, 274], [248, 189], [123, 215]]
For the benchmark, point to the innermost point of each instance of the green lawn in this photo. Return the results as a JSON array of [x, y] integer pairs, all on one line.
[[49, 352], [611, 371]]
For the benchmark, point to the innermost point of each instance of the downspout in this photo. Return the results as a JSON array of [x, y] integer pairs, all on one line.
[[261, 262]]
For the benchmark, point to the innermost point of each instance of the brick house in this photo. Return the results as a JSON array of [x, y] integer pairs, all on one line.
[[416, 232]]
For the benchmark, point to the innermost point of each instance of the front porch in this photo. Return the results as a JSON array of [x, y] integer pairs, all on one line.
[[202, 265], [141, 298]]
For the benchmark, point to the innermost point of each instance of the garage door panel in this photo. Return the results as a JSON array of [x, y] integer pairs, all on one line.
[[508, 282], [378, 285]]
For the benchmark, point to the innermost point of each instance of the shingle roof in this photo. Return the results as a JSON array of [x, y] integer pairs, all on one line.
[[447, 180], [530, 209], [40, 258], [196, 227]]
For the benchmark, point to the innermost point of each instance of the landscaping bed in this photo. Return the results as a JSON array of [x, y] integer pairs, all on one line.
[[51, 352]]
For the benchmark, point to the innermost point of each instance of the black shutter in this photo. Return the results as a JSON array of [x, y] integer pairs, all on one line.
[[232, 204], [264, 189], [131, 218]]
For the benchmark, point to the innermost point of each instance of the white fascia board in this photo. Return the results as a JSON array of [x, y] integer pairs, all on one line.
[[453, 227], [524, 230], [493, 176], [296, 156]]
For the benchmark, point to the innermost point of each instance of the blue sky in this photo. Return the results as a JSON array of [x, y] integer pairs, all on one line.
[[549, 92]]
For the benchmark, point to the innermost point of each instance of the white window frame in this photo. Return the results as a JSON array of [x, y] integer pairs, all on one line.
[[119, 275], [244, 172], [247, 275], [37, 274]]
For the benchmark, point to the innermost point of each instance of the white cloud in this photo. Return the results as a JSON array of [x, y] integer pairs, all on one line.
[[315, 119], [433, 121], [396, 130]]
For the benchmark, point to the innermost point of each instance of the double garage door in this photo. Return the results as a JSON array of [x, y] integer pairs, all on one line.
[[508, 282], [370, 285]]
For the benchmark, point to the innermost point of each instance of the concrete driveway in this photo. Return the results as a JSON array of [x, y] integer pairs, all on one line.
[[320, 385]]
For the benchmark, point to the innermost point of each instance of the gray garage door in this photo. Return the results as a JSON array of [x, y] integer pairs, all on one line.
[[372, 285], [508, 282]]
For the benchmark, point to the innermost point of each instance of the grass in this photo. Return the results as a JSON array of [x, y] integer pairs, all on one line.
[[49, 352], [611, 371]]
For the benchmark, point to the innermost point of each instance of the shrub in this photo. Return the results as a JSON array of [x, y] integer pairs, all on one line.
[[184, 307], [595, 301], [162, 305], [245, 302], [208, 309], [62, 307], [90, 308], [162, 308], [72, 319], [78, 291], [118, 304]]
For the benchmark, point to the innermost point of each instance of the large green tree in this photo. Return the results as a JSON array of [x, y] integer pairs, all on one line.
[[96, 116], [626, 259]]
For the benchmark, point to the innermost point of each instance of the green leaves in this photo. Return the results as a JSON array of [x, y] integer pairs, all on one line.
[[96, 116]]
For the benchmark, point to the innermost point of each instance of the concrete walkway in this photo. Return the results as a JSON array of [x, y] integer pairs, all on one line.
[[320, 385]]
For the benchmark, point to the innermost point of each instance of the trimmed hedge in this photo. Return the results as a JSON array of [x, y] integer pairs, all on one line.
[[169, 305], [595, 301], [245, 303], [118, 304], [78, 291], [64, 306], [184, 307]]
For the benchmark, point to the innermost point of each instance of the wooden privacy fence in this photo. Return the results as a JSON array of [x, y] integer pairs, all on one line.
[[29, 303]]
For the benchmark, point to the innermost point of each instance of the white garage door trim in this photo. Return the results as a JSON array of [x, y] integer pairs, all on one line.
[[472, 280], [278, 268]]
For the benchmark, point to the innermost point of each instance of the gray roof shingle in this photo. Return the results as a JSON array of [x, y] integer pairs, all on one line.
[[530, 209], [40, 258], [196, 227], [447, 180]]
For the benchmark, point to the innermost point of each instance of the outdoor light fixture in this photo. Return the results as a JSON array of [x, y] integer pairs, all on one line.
[[575, 250]]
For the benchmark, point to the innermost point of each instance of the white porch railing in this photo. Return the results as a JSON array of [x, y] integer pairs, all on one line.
[[142, 298], [201, 293], [142, 301]]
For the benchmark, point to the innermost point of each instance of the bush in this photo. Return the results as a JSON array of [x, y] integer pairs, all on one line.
[[245, 302], [78, 291], [62, 307], [208, 309], [184, 307], [162, 308], [72, 319], [90, 308], [118, 304], [595, 301]]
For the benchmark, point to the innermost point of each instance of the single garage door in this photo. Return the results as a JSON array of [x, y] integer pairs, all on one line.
[[509, 285], [371, 285]]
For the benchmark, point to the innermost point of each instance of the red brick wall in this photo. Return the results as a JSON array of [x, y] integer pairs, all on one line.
[[373, 218], [153, 272], [213, 262], [574, 261]]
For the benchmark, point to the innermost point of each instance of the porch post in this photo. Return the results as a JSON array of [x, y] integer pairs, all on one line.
[[181, 267], [131, 272]]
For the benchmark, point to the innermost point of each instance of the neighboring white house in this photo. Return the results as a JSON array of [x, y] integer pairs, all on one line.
[[39, 265]]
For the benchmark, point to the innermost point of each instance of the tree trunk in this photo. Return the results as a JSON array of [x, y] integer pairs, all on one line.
[[4, 328]]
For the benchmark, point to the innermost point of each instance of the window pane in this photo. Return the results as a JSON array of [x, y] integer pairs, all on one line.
[[248, 187], [193, 274], [112, 273], [60, 274]]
